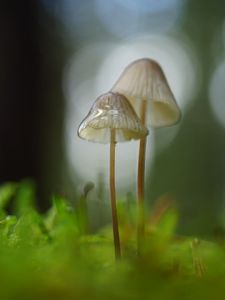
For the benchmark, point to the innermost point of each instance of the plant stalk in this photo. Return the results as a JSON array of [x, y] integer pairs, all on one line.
[[113, 196], [141, 181]]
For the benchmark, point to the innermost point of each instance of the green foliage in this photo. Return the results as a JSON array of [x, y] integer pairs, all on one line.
[[51, 256]]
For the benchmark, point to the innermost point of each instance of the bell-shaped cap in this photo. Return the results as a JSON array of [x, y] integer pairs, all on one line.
[[111, 111], [144, 80]]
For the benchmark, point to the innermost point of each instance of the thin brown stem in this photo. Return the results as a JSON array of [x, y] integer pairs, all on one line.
[[141, 181], [113, 196]]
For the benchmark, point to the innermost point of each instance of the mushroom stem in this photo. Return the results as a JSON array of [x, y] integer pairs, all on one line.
[[141, 180], [113, 196]]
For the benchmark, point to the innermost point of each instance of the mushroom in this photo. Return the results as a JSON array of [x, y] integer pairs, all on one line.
[[144, 80], [112, 119], [145, 86]]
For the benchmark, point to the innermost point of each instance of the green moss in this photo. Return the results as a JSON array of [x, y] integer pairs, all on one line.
[[49, 256]]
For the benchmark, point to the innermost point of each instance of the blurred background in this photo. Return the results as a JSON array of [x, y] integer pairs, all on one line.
[[58, 56]]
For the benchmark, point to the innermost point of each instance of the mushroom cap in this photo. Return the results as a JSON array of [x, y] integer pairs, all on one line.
[[144, 79], [111, 111]]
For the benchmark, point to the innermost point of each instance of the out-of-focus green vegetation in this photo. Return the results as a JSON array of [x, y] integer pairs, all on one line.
[[51, 256]]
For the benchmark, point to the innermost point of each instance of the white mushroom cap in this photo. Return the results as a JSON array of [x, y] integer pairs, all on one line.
[[144, 80], [111, 111]]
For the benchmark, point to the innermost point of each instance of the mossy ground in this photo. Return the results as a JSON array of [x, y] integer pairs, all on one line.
[[54, 256]]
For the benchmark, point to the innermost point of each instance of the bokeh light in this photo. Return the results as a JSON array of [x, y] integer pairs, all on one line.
[[85, 19], [93, 70], [134, 16]]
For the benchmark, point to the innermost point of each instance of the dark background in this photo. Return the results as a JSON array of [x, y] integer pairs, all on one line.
[[30, 113]]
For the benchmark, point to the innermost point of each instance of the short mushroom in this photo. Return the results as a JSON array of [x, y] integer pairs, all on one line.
[[112, 119], [145, 86]]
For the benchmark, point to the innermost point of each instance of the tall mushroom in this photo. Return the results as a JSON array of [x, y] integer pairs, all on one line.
[[145, 86], [110, 120]]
